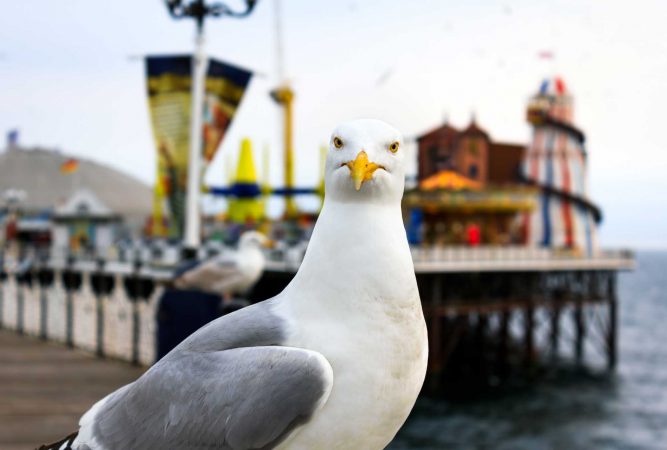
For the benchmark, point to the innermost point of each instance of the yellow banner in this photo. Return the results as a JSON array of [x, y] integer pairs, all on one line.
[[169, 84]]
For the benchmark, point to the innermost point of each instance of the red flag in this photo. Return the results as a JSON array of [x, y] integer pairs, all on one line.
[[560, 85]]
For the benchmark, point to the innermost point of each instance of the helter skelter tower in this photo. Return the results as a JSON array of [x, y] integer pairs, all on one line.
[[555, 162]]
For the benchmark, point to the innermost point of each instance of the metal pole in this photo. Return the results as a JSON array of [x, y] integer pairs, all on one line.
[[136, 330], [536, 281], [503, 345], [136, 316], [43, 313], [579, 331], [69, 302], [99, 329], [284, 96], [555, 329], [554, 298], [198, 10], [529, 334], [612, 338], [435, 337], [69, 317], [192, 236], [19, 307], [2, 300], [280, 67], [288, 94]]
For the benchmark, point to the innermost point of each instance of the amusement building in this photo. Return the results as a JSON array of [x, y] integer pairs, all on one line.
[[473, 190]]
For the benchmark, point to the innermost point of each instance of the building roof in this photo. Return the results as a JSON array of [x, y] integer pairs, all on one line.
[[443, 130], [448, 131], [37, 171], [504, 162], [83, 203], [475, 130], [448, 179]]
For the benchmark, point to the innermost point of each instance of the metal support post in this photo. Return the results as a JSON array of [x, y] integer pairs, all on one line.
[[20, 306], [192, 216], [612, 337], [43, 312]]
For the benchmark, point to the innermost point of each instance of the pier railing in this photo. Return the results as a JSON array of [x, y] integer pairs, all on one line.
[[486, 259], [501, 301], [517, 258], [108, 310]]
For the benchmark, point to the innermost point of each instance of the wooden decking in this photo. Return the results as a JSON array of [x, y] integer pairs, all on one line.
[[45, 387]]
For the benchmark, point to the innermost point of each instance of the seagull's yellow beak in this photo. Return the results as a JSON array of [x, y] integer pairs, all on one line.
[[361, 169]]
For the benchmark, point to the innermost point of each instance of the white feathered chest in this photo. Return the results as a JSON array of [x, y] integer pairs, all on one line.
[[368, 323]]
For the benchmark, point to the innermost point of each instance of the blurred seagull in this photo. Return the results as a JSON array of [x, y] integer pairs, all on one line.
[[233, 271], [335, 361]]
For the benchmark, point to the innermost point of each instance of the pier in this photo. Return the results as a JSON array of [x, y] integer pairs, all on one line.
[[494, 315], [501, 315]]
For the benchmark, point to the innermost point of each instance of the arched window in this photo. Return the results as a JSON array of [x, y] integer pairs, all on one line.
[[473, 171]]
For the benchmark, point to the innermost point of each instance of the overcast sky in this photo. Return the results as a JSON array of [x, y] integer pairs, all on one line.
[[67, 81]]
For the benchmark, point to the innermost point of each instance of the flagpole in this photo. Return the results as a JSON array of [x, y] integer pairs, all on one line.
[[192, 237]]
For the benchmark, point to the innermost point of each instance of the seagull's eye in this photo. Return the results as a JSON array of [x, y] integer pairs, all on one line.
[[337, 142], [394, 147]]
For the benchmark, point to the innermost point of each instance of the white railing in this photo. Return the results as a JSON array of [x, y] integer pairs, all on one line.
[[514, 258], [72, 315], [43, 311], [510, 253]]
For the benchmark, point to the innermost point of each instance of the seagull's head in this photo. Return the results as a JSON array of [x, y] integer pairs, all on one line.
[[365, 162], [254, 239]]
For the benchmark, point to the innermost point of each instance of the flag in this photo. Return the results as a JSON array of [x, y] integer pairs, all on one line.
[[12, 138], [70, 166], [169, 84]]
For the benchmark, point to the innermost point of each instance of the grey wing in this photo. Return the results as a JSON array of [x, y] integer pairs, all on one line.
[[243, 398], [210, 274]]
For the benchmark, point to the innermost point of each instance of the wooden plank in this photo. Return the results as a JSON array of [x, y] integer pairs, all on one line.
[[45, 388]]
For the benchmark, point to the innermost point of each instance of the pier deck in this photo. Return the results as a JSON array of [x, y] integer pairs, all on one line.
[[45, 387]]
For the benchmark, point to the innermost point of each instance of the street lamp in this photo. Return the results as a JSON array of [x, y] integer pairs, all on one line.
[[198, 10]]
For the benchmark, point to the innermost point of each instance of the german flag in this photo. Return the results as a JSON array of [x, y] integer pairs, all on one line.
[[69, 166]]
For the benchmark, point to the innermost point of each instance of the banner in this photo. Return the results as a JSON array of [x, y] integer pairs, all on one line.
[[169, 85]]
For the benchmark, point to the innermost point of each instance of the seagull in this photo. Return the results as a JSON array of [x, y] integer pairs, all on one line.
[[229, 272], [333, 362]]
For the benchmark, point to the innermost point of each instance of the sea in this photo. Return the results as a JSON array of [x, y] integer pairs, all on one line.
[[576, 410]]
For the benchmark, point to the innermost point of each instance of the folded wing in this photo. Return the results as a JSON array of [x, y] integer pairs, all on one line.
[[230, 385], [240, 398], [209, 274]]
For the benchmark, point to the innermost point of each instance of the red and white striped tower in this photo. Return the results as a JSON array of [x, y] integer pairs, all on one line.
[[556, 163]]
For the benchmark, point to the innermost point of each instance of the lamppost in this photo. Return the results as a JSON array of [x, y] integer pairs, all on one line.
[[198, 10]]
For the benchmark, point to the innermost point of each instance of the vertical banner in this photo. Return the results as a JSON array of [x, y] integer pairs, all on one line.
[[169, 86]]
